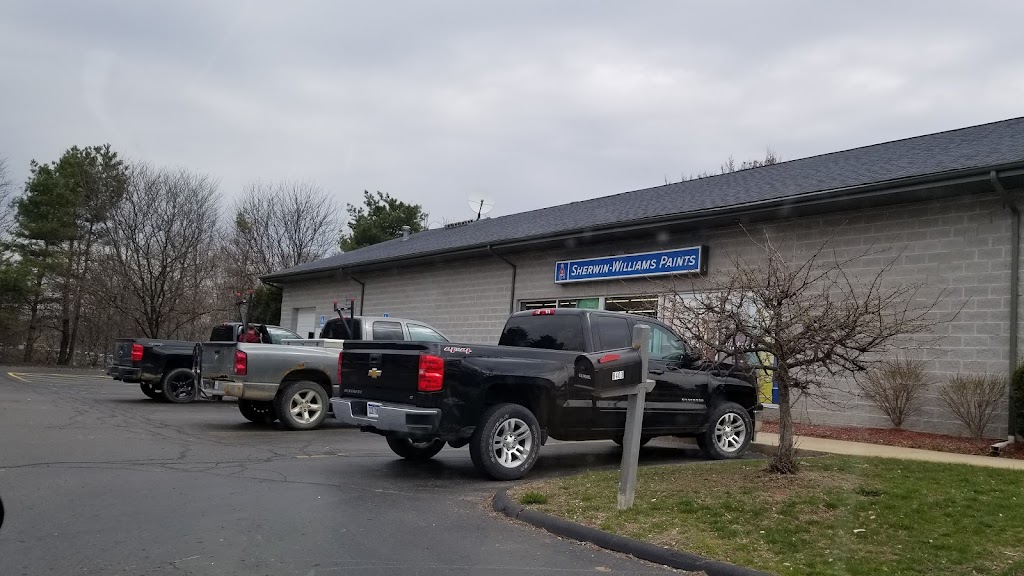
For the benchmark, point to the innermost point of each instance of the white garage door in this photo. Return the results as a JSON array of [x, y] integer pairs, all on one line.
[[305, 322]]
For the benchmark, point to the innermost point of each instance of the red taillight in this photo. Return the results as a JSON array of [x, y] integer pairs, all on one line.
[[136, 352], [241, 363], [544, 312], [339, 368], [608, 358], [431, 378]]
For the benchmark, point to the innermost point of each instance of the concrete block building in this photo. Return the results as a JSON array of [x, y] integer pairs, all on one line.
[[948, 202]]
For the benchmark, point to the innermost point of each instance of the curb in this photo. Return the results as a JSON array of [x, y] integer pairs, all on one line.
[[657, 554]]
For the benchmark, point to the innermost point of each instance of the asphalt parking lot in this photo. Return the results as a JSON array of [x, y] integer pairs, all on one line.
[[98, 479]]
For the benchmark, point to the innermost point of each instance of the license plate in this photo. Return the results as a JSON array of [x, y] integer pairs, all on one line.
[[371, 409]]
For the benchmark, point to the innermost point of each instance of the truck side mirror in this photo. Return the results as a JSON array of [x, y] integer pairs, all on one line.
[[609, 370]]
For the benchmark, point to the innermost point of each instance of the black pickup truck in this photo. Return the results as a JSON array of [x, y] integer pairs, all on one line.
[[504, 401], [163, 368]]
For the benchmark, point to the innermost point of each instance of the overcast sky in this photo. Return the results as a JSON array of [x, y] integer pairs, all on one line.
[[530, 103]]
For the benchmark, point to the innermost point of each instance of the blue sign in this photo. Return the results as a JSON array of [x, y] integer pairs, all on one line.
[[323, 320], [386, 315], [681, 261]]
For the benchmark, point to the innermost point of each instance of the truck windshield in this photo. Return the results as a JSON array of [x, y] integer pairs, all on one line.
[[554, 332]]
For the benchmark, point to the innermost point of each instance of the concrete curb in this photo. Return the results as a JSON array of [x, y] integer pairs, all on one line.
[[672, 558]]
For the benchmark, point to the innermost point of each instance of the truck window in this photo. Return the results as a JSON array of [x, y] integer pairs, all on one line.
[[612, 332], [335, 329], [388, 331], [551, 332], [223, 333], [278, 334], [665, 345], [424, 334]]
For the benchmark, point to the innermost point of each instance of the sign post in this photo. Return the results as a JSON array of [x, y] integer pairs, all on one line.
[[636, 395]]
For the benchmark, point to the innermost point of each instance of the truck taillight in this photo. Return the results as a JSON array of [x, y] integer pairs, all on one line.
[[544, 312], [339, 367], [431, 376], [241, 363], [136, 352]]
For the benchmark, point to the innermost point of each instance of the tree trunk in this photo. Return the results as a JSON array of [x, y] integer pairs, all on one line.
[[33, 319], [76, 310], [784, 459]]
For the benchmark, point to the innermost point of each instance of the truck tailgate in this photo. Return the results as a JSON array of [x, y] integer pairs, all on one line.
[[387, 371], [218, 359], [123, 351]]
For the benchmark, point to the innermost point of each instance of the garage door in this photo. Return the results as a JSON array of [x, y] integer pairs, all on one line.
[[305, 322]]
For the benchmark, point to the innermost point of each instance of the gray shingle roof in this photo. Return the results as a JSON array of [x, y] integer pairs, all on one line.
[[976, 147]]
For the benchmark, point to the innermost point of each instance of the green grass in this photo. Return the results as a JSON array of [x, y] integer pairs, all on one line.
[[533, 498], [839, 515]]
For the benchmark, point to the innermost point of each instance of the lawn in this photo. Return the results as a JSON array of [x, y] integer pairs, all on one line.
[[839, 515]]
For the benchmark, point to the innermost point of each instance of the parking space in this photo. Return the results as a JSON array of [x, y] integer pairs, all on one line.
[[96, 478]]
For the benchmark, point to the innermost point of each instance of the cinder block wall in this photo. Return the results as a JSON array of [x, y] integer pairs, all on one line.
[[961, 246]]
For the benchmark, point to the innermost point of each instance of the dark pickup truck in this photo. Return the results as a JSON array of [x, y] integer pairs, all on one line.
[[504, 401], [163, 368]]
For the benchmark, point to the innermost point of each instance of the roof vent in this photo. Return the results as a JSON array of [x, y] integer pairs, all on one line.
[[451, 225], [405, 232]]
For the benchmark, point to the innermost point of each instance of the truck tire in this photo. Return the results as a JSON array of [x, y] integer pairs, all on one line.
[[415, 449], [260, 412], [301, 405], [150, 391], [506, 443], [728, 433], [644, 439], [179, 386]]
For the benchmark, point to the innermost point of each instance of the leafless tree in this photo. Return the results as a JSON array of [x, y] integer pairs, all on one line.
[[6, 196], [160, 255], [807, 319], [280, 225]]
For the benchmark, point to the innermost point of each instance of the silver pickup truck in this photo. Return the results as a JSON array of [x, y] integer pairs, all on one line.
[[293, 383]]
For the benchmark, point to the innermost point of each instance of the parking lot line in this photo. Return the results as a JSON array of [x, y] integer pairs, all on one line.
[[13, 375]]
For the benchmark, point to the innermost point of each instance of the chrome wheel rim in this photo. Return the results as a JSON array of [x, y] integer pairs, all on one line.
[[512, 442], [730, 432], [306, 406]]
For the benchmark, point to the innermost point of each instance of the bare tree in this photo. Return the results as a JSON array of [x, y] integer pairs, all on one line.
[[6, 197], [807, 320], [281, 225], [160, 255]]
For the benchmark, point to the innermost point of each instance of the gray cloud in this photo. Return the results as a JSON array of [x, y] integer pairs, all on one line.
[[533, 103]]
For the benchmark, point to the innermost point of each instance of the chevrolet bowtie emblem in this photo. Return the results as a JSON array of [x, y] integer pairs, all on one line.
[[374, 373]]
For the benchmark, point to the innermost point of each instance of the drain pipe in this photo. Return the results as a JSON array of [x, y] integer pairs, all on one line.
[[512, 290], [1014, 304]]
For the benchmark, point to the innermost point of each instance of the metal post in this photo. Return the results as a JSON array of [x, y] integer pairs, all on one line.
[[634, 420]]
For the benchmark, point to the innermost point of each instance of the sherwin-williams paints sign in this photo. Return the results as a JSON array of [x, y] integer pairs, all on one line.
[[681, 261]]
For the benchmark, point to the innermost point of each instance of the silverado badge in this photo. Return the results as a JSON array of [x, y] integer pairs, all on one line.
[[374, 373]]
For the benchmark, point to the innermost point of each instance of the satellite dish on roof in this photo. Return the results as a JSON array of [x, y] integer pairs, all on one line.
[[480, 204]]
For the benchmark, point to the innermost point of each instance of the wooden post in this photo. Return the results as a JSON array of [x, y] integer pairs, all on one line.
[[634, 420]]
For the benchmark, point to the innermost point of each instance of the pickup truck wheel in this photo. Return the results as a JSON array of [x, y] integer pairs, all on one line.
[[415, 449], [150, 392], [506, 443], [260, 412], [728, 433], [179, 386], [302, 405]]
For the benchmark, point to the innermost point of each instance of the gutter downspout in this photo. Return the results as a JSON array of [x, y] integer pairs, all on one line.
[[512, 290], [1014, 302], [362, 289]]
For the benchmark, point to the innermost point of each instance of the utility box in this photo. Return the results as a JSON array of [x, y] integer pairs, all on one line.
[[611, 371]]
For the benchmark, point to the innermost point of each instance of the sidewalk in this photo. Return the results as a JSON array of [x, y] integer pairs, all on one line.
[[770, 440]]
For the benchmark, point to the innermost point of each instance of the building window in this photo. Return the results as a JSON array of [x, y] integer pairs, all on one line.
[[589, 303], [646, 305]]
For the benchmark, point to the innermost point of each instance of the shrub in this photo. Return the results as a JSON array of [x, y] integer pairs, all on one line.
[[897, 387], [973, 399], [533, 498], [1018, 398]]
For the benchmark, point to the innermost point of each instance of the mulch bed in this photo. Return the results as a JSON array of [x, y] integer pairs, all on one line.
[[903, 438]]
